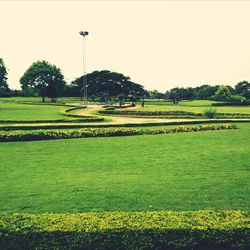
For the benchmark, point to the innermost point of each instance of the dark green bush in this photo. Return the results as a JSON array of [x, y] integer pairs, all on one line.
[[127, 230], [210, 113], [101, 132], [244, 103]]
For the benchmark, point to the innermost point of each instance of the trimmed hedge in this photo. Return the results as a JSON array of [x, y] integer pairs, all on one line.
[[66, 112], [84, 117], [102, 132], [218, 104], [168, 114], [127, 230], [148, 113], [232, 115]]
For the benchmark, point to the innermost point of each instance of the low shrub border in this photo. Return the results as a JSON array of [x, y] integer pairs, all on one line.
[[67, 111], [79, 125], [168, 114], [218, 104], [127, 230], [102, 132], [232, 115], [148, 113], [87, 118]]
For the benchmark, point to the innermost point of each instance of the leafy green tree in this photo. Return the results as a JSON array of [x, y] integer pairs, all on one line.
[[108, 85], [175, 95], [45, 78], [156, 95], [4, 88], [243, 89], [205, 92], [223, 94]]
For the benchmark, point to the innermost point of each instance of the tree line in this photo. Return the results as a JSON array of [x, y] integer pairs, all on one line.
[[46, 80], [240, 93]]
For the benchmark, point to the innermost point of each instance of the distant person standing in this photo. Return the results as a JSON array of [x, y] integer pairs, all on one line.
[[120, 102], [142, 103]]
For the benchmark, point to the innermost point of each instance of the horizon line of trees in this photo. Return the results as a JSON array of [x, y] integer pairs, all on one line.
[[239, 93], [46, 80]]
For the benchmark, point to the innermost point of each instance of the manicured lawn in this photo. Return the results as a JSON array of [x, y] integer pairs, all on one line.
[[181, 103], [185, 171], [197, 103], [39, 99], [195, 108], [203, 103], [17, 111]]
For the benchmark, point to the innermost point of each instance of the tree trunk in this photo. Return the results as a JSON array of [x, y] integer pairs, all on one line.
[[43, 95]]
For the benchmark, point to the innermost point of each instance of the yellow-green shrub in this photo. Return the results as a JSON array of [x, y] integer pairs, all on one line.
[[101, 132], [127, 230]]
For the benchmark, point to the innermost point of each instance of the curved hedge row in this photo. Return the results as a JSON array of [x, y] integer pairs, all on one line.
[[79, 125], [102, 132], [86, 118], [66, 112], [127, 230]]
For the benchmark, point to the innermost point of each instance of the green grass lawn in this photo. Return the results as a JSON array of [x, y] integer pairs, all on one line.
[[39, 99], [195, 107], [181, 103], [185, 171], [17, 111]]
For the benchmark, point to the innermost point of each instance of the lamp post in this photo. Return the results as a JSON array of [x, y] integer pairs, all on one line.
[[84, 77]]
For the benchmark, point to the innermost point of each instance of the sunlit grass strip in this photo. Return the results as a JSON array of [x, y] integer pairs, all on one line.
[[127, 230], [102, 132]]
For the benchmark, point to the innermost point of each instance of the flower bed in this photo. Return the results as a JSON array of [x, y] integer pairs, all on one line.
[[101, 132]]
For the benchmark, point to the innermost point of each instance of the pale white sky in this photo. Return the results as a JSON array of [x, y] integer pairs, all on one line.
[[159, 44]]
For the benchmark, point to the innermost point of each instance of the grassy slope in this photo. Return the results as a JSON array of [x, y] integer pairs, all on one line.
[[11, 110], [176, 171]]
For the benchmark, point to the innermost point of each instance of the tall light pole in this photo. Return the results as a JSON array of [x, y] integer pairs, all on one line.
[[84, 77]]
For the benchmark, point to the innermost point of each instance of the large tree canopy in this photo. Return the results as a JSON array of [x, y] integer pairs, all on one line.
[[243, 89], [223, 93], [45, 78], [4, 89], [108, 85]]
